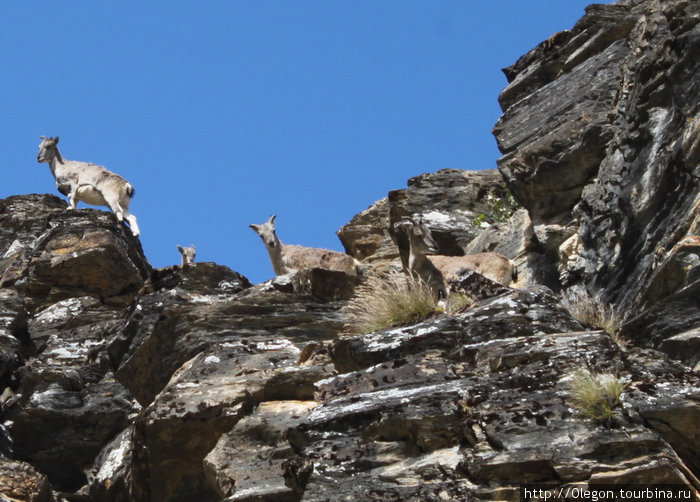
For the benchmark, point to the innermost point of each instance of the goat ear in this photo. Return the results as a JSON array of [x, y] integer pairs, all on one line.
[[272, 218], [254, 227], [179, 248], [43, 138], [55, 140]]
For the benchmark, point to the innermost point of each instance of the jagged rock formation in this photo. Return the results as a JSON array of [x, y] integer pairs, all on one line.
[[449, 201], [124, 383], [600, 135]]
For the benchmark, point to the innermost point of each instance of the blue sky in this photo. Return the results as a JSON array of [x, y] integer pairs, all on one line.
[[221, 113]]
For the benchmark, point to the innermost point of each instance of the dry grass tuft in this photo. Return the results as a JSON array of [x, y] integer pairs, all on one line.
[[389, 301], [596, 395], [588, 310]]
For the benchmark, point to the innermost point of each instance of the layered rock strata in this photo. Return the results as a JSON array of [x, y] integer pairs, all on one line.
[[124, 383]]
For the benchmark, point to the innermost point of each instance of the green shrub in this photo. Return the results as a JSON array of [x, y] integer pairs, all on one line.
[[384, 302], [458, 301], [498, 209]]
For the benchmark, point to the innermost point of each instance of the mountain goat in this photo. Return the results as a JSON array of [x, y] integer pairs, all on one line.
[[437, 270], [188, 255], [88, 182], [288, 258]]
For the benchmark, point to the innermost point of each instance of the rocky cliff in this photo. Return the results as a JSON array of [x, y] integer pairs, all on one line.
[[124, 383]]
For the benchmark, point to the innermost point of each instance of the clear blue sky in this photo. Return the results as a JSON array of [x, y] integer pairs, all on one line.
[[221, 113]]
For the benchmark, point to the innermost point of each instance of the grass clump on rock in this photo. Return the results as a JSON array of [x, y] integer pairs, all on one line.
[[596, 395], [389, 301], [586, 309]]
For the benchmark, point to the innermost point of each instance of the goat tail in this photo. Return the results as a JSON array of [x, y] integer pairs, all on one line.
[[129, 190]]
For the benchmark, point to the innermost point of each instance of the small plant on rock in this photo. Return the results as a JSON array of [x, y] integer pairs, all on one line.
[[498, 209], [596, 395], [458, 301], [384, 302], [589, 310]]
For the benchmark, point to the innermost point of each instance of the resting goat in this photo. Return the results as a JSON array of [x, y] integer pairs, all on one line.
[[188, 255], [437, 270], [88, 182], [288, 258]]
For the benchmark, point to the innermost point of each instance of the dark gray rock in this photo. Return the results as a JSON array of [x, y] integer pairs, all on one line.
[[66, 278], [248, 462], [367, 237], [110, 477], [599, 136], [60, 425], [12, 330], [136, 349], [50, 253], [473, 405], [23, 218], [173, 333], [206, 398], [21, 481], [254, 393], [200, 360]]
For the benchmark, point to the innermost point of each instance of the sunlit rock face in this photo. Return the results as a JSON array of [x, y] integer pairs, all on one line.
[[123, 383], [600, 141], [68, 278]]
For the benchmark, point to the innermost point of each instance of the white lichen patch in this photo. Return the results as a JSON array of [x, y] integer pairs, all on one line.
[[396, 395], [231, 345], [436, 217], [407, 471], [67, 352], [206, 298], [14, 248], [39, 399], [505, 302], [115, 459], [60, 311], [228, 285], [278, 345], [348, 376], [394, 338], [186, 385], [212, 360]]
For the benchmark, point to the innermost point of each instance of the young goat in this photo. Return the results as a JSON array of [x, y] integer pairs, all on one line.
[[437, 270], [288, 258], [90, 183], [188, 255]]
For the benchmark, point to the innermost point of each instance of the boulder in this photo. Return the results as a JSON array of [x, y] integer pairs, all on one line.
[[248, 461], [21, 481], [50, 253]]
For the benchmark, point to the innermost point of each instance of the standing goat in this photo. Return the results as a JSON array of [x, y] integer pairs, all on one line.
[[90, 183], [437, 270], [288, 258], [188, 255]]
